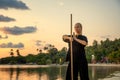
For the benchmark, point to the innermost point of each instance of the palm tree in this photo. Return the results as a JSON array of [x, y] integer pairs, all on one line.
[[39, 50], [18, 52], [11, 53]]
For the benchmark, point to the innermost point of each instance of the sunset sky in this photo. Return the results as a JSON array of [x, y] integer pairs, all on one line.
[[32, 24]]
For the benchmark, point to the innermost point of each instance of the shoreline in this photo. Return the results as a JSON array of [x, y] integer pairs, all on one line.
[[111, 65], [53, 65]]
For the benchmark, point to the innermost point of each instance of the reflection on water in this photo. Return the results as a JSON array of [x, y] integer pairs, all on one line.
[[100, 72], [30, 72]]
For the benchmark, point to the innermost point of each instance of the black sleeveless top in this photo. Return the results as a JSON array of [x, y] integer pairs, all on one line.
[[78, 49]]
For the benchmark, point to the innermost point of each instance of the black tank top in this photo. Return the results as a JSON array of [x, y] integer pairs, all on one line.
[[78, 49]]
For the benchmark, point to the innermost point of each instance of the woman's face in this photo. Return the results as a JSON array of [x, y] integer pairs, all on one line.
[[77, 28]]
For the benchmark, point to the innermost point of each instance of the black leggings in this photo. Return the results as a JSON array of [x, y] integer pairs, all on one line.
[[81, 68]]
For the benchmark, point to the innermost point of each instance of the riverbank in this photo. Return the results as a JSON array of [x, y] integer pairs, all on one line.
[[112, 65], [55, 65]]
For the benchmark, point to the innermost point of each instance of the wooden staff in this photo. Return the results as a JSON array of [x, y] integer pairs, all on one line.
[[71, 50]]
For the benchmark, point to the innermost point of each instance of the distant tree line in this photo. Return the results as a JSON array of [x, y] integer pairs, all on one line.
[[106, 51], [52, 56]]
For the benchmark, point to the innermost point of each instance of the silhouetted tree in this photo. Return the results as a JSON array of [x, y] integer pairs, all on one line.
[[39, 50], [18, 52], [11, 52]]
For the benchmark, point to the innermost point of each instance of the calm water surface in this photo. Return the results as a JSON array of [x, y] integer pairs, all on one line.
[[35, 72]]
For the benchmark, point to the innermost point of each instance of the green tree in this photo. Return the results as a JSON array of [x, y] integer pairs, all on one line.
[[114, 56], [11, 53]]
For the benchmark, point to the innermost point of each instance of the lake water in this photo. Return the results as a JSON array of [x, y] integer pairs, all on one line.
[[37, 72]]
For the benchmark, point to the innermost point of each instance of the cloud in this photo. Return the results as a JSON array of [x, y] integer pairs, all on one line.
[[43, 45], [6, 19], [11, 45], [18, 30], [61, 3], [1, 37], [105, 36], [48, 46], [38, 43], [16, 4]]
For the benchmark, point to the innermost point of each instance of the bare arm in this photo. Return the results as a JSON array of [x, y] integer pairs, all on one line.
[[66, 38], [79, 41]]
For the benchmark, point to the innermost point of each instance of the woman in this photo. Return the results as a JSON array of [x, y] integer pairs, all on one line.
[[80, 64]]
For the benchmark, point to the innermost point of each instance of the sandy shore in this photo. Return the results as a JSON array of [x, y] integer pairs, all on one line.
[[54, 65], [116, 65]]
